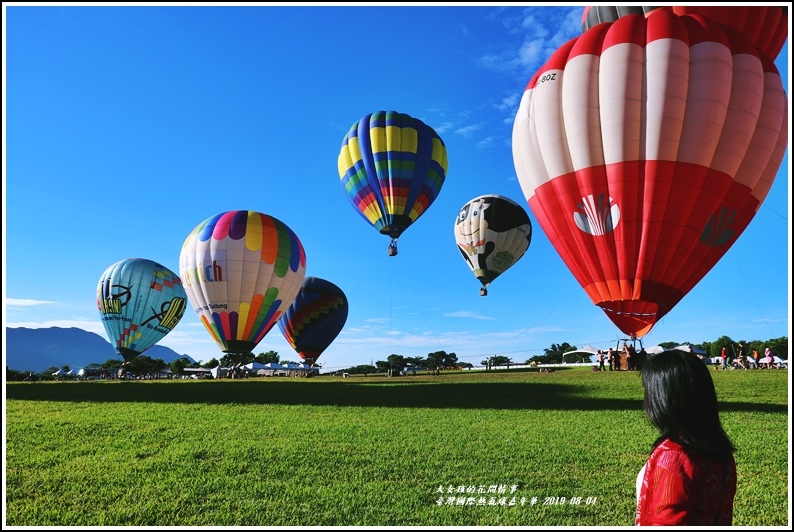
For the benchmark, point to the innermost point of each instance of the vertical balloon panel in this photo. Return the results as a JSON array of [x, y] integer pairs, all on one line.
[[242, 269], [644, 148], [139, 301]]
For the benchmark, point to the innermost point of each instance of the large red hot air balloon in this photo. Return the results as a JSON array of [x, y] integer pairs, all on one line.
[[644, 148], [764, 26]]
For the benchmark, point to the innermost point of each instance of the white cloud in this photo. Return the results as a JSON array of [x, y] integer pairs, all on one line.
[[467, 130], [487, 142], [27, 302], [443, 127], [467, 314], [509, 103]]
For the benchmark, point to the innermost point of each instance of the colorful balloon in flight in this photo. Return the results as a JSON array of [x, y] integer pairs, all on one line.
[[764, 26], [644, 148], [315, 318], [241, 270], [492, 233], [392, 167], [139, 301]]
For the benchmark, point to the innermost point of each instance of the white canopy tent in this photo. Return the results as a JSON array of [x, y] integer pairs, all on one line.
[[586, 351], [688, 348]]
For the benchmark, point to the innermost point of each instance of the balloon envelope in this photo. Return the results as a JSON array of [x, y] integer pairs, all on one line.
[[392, 167], [241, 270], [764, 26], [315, 318], [492, 232], [644, 148], [139, 301]]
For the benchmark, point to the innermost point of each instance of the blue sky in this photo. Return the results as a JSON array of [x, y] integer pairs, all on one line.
[[124, 127]]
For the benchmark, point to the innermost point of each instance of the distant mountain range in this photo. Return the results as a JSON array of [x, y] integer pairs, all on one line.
[[39, 349]]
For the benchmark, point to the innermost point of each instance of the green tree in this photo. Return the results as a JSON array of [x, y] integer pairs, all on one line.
[[416, 362], [715, 348], [442, 359], [363, 369], [144, 365], [382, 366], [553, 354], [232, 359], [177, 365], [213, 363], [14, 375], [266, 358], [111, 364], [778, 346], [395, 364], [500, 360]]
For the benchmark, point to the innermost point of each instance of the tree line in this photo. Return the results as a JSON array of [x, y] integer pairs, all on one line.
[[394, 364], [554, 355]]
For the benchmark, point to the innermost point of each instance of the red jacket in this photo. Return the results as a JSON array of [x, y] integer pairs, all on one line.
[[679, 488]]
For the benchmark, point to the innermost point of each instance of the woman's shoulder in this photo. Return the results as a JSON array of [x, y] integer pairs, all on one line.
[[673, 455]]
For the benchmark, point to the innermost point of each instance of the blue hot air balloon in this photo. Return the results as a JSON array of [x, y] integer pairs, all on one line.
[[139, 301], [315, 318], [392, 167]]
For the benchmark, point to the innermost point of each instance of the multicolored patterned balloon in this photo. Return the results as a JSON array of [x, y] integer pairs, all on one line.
[[139, 301], [241, 270], [645, 147], [315, 318], [392, 167]]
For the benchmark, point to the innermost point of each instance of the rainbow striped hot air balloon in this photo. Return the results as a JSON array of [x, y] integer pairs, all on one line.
[[392, 167], [139, 301], [315, 318], [241, 271]]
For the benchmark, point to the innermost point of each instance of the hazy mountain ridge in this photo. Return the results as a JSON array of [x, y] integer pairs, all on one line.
[[38, 349]]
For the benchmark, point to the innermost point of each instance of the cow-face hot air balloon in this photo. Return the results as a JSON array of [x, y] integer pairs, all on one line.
[[392, 167], [139, 301], [492, 233], [644, 148], [241, 271], [315, 318], [764, 26]]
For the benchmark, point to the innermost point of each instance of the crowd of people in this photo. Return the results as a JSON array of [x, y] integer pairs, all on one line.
[[627, 359], [742, 361]]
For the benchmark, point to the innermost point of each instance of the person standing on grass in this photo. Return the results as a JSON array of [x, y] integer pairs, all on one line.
[[742, 356], [770, 359], [724, 357], [755, 357], [600, 358], [689, 478], [610, 358]]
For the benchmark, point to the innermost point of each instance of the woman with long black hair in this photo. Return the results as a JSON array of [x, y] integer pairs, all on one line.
[[690, 475]]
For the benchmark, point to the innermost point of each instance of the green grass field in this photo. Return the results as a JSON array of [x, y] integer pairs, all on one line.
[[504, 448]]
